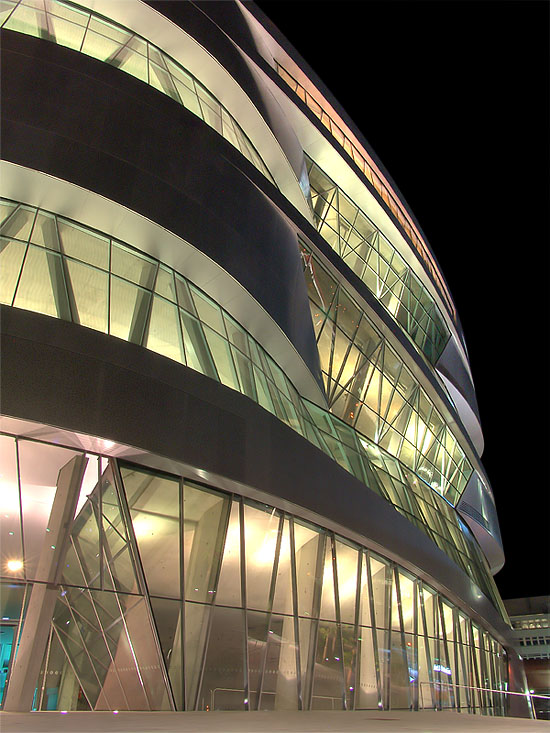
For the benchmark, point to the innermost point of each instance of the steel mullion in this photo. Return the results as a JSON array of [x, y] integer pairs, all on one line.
[[338, 615], [142, 583], [213, 604], [182, 589], [357, 670], [271, 596], [295, 612], [374, 631], [427, 643], [315, 614], [244, 604]]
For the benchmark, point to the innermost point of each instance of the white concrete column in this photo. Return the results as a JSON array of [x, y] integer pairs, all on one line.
[[36, 627]]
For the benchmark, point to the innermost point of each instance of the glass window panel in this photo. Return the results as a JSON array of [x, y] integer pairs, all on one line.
[[246, 377], [208, 311], [346, 563], [306, 547], [11, 549], [39, 465], [367, 694], [134, 63], [119, 573], [223, 684], [100, 47], [109, 30], [66, 33], [184, 296], [83, 244], [82, 560], [328, 682], [169, 625], [161, 80], [164, 284], [18, 225], [164, 335], [229, 585], [154, 502], [219, 348], [133, 266], [11, 259], [261, 526], [381, 579], [279, 689], [27, 20], [328, 609], [406, 586], [35, 291], [129, 306], [205, 515], [197, 353], [399, 673], [90, 289], [188, 97], [282, 600]]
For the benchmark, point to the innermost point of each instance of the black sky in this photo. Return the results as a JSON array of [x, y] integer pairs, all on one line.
[[454, 98]]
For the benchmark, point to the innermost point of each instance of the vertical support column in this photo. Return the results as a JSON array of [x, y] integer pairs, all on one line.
[[36, 628]]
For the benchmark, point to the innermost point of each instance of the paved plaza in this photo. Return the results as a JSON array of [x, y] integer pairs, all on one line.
[[264, 722]]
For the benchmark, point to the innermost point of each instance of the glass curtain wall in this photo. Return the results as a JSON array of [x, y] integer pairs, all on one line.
[[55, 266], [175, 595], [382, 189], [377, 263], [89, 33], [369, 387]]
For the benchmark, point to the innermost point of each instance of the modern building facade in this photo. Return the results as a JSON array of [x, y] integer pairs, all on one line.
[[240, 441], [530, 618]]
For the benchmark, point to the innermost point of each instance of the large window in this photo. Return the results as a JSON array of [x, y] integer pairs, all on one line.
[[77, 28], [175, 595]]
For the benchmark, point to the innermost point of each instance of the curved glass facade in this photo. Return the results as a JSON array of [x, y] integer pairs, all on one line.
[[55, 266], [89, 33], [374, 177], [176, 595], [369, 387], [374, 259]]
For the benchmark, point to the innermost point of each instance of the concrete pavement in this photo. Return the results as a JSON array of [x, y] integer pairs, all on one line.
[[363, 721]]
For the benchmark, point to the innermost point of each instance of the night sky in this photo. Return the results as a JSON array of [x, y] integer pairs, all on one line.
[[454, 99]]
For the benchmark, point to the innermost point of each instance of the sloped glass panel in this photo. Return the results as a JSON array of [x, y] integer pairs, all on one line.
[[219, 348], [165, 285], [279, 688], [11, 548], [328, 609], [128, 310], [133, 266], [381, 580], [154, 502], [224, 680], [164, 335], [67, 33], [197, 353], [261, 527], [197, 624], [83, 244], [169, 627], [328, 675], [308, 576], [282, 600], [229, 584], [346, 563], [35, 290], [90, 289], [119, 572]]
